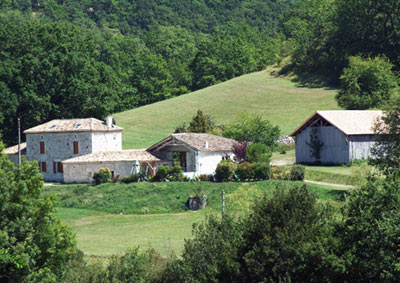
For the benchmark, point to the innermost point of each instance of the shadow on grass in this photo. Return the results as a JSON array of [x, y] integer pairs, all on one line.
[[317, 79]]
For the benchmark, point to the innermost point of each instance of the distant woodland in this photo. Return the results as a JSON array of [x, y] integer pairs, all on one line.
[[80, 58]]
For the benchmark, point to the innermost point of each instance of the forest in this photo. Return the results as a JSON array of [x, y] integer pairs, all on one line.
[[70, 58], [64, 59]]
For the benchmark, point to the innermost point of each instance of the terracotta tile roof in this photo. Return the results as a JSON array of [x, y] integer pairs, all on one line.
[[200, 142], [73, 125], [350, 122], [113, 156], [14, 149]]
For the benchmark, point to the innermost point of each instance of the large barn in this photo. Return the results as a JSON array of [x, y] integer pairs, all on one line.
[[336, 136]]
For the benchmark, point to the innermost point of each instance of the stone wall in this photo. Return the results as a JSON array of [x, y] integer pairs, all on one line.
[[83, 173]]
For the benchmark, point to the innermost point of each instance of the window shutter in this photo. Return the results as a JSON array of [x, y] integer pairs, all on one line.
[[42, 147], [55, 167], [76, 147], [44, 169], [60, 167]]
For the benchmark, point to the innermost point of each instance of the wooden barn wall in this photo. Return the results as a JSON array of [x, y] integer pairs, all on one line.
[[334, 150], [360, 146]]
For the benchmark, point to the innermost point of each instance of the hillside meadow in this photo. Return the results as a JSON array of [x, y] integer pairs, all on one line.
[[276, 99]]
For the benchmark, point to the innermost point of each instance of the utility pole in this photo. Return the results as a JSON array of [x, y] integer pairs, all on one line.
[[223, 203], [19, 142]]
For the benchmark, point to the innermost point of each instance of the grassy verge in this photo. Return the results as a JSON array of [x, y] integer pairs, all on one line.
[[155, 198]]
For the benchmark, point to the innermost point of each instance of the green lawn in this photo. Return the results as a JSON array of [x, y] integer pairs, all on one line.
[[276, 99], [100, 234]]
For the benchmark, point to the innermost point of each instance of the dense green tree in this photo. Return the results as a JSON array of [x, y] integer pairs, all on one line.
[[366, 83], [254, 129], [34, 245], [369, 234], [386, 151]]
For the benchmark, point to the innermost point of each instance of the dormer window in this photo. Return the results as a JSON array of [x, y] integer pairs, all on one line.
[[42, 151], [77, 126], [53, 126]]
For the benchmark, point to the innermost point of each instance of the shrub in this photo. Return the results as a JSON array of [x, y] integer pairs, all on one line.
[[297, 173], [245, 171], [280, 173], [206, 178], [225, 171], [258, 152], [175, 173], [282, 148], [138, 177], [262, 171], [165, 173], [103, 176]]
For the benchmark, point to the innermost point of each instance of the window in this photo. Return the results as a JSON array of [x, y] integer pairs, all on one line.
[[76, 147], [54, 167], [60, 167], [44, 169], [42, 147], [40, 166]]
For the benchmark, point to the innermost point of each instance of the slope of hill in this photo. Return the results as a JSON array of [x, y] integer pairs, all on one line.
[[276, 99]]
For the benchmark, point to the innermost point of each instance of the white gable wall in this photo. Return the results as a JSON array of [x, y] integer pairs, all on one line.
[[207, 161], [106, 141]]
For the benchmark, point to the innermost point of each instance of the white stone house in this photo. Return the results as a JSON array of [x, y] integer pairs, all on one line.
[[12, 152], [53, 142], [344, 135], [72, 150], [196, 153]]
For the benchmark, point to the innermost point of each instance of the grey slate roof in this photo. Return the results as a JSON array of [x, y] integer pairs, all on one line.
[[73, 125], [113, 156], [198, 141], [350, 122]]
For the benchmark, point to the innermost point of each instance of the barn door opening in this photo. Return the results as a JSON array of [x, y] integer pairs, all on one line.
[[180, 159]]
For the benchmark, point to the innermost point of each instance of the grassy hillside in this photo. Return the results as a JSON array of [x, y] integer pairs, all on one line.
[[276, 99]]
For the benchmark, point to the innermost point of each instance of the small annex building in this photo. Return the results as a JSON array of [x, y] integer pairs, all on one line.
[[196, 153], [336, 136], [12, 152]]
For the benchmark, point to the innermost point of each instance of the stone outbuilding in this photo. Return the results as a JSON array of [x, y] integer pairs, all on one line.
[[336, 136], [121, 163], [12, 152], [196, 153]]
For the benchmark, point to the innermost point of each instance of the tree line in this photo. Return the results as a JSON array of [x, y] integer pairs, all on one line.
[[63, 59]]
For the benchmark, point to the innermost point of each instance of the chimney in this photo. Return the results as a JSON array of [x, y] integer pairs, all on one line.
[[205, 145], [109, 122]]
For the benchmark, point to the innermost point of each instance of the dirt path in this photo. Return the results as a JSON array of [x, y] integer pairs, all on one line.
[[339, 186]]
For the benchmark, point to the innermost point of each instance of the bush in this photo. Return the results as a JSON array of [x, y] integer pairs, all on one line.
[[103, 176], [280, 173], [225, 171], [206, 178], [262, 171], [297, 173], [245, 171], [165, 173], [258, 152], [138, 177]]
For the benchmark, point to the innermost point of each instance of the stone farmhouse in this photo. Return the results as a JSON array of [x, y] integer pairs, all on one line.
[[72, 150], [343, 136]]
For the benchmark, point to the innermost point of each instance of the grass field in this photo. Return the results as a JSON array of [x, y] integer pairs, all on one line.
[[156, 198], [102, 233], [276, 99]]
